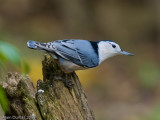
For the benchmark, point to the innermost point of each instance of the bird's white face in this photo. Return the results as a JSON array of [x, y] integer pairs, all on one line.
[[108, 49], [113, 48]]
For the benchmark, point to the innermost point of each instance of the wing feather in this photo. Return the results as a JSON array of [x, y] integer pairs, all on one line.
[[72, 51]]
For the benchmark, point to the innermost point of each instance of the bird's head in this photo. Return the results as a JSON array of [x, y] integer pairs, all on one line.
[[108, 48]]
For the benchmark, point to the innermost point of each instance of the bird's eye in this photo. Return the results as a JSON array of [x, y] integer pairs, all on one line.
[[113, 46]]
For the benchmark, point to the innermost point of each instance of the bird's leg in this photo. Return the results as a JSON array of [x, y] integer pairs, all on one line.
[[68, 82]]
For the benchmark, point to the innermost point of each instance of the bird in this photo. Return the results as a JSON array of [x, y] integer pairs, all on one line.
[[77, 54]]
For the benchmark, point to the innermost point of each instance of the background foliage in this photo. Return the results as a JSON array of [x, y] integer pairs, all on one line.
[[9, 54], [122, 88]]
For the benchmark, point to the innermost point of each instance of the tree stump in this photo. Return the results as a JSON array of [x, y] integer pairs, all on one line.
[[52, 100]]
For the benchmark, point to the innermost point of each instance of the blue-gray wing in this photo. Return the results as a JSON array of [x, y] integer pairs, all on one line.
[[79, 52]]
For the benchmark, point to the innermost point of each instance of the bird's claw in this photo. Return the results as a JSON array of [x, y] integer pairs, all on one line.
[[68, 83]]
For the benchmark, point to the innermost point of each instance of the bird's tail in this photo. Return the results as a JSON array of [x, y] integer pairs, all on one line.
[[39, 46], [32, 44], [36, 45]]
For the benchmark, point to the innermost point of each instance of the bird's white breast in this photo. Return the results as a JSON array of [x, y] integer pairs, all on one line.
[[69, 66]]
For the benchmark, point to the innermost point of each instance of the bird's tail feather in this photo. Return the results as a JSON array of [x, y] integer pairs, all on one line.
[[33, 44], [39, 46]]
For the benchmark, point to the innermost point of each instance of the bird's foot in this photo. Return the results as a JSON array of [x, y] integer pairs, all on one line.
[[68, 82]]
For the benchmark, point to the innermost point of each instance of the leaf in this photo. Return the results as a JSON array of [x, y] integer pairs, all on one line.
[[10, 53], [3, 100]]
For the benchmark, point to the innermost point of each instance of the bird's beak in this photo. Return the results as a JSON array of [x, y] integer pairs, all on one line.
[[126, 53]]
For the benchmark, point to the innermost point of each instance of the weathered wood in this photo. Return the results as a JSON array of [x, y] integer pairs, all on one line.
[[21, 95], [53, 101]]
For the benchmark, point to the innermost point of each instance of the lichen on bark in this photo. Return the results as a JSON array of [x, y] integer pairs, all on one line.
[[52, 100]]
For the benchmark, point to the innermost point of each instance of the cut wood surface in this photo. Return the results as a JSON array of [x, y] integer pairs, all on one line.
[[52, 100]]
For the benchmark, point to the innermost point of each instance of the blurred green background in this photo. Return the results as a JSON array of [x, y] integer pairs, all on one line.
[[121, 88]]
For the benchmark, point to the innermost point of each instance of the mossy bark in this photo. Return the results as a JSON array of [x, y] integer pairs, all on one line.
[[53, 101]]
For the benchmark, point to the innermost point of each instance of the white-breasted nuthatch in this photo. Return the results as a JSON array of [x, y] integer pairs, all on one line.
[[76, 54]]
